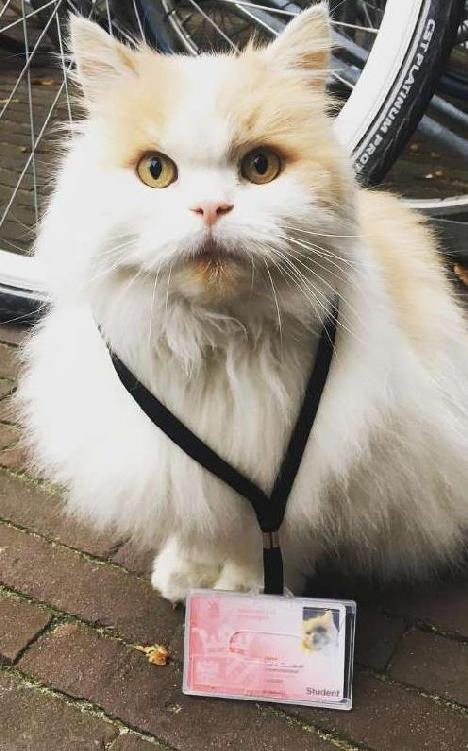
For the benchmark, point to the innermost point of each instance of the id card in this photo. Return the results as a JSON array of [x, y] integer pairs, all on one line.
[[268, 647]]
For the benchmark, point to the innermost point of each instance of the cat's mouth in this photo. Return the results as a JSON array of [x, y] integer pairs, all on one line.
[[210, 251], [211, 270]]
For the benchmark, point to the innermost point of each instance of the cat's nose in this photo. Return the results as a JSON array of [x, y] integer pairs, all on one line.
[[211, 211]]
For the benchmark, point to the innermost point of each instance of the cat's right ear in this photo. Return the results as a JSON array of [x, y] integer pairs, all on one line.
[[100, 58], [306, 42]]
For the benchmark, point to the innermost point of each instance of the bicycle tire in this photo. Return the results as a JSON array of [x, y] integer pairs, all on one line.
[[371, 161], [438, 21], [432, 25]]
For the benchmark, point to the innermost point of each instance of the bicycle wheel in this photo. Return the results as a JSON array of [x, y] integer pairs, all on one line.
[[34, 103], [387, 63], [388, 58]]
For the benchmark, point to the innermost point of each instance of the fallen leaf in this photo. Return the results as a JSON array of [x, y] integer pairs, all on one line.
[[439, 173], [156, 654], [43, 82], [414, 147], [429, 176]]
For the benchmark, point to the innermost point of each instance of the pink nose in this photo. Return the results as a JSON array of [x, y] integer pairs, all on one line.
[[211, 211]]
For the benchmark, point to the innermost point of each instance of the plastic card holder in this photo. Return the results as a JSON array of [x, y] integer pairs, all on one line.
[[268, 647]]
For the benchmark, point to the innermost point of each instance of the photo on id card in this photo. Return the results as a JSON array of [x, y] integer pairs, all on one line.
[[268, 647]]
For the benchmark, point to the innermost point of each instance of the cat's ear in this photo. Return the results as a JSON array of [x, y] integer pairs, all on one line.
[[99, 57], [305, 42]]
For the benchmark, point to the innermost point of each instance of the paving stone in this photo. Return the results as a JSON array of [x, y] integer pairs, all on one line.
[[19, 623], [15, 457], [85, 664], [28, 505], [433, 663], [31, 721], [376, 637], [7, 411], [9, 362], [97, 592], [444, 606], [134, 559], [8, 435], [176, 644], [11, 334], [388, 717], [6, 387], [130, 742]]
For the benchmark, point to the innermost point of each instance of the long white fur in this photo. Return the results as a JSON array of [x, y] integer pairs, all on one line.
[[385, 474]]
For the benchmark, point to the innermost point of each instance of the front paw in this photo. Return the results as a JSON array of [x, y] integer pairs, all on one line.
[[173, 576], [240, 578]]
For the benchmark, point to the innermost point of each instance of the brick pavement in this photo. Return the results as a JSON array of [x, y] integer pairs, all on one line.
[[74, 604]]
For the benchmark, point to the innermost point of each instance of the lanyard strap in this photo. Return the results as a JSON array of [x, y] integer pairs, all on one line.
[[269, 510]]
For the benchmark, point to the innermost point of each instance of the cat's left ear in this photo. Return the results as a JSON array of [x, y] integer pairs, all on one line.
[[100, 58], [306, 41]]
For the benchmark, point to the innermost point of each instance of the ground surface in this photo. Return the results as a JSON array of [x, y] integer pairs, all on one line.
[[74, 605]]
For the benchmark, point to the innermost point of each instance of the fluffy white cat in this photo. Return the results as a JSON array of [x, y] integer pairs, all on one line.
[[205, 217]]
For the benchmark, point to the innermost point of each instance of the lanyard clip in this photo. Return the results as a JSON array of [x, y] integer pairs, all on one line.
[[271, 539], [272, 564]]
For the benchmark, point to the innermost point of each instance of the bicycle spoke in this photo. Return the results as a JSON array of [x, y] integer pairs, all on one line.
[[215, 26], [31, 110], [26, 16], [5, 7]]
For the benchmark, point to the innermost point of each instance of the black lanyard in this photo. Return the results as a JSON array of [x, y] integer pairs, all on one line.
[[269, 510]]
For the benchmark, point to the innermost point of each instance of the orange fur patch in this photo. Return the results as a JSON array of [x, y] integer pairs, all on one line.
[[406, 251]]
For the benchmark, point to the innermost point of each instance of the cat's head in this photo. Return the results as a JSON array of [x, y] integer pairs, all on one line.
[[318, 631], [216, 174]]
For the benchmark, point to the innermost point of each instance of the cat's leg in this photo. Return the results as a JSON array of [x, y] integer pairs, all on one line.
[[177, 569], [244, 575], [240, 577]]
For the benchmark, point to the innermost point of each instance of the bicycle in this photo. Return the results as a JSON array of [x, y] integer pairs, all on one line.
[[386, 66]]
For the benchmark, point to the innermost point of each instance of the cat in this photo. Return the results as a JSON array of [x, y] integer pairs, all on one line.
[[319, 633], [203, 221]]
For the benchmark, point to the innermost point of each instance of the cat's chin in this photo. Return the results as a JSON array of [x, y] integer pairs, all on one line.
[[212, 276]]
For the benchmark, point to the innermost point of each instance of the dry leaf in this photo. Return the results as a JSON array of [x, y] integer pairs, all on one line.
[[439, 173], [414, 148], [429, 176], [43, 82], [461, 272], [156, 654]]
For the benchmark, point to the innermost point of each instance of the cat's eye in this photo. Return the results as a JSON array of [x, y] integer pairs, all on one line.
[[260, 166], [156, 170]]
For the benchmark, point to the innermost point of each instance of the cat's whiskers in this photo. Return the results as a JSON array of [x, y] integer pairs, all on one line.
[[252, 279], [315, 253], [117, 252], [343, 274], [139, 273], [328, 253], [167, 290], [301, 279], [327, 284], [322, 234], [286, 274], [280, 325], [317, 293], [153, 297]]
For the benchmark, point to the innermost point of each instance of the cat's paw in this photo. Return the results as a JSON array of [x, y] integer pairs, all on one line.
[[239, 578], [173, 575]]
